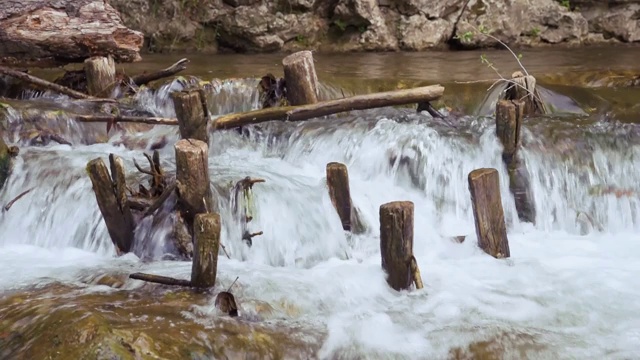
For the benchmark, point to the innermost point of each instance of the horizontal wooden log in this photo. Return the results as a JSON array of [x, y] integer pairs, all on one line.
[[158, 279], [148, 77], [305, 112], [64, 30], [127, 119], [43, 83]]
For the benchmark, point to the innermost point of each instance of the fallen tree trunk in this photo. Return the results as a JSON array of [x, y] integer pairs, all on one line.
[[48, 32], [304, 112], [42, 83]]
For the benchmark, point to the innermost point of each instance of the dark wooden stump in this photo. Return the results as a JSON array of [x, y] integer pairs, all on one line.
[[116, 213], [396, 243], [101, 76], [192, 114], [339, 192], [5, 160], [192, 179], [206, 230], [300, 78], [524, 89], [484, 185], [509, 118]]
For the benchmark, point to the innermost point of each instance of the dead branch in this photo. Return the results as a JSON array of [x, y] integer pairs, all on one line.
[[146, 78], [305, 112], [43, 83], [10, 203], [160, 200], [127, 119], [158, 279]]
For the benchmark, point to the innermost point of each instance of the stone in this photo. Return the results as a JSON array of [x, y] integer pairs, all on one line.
[[620, 22], [432, 9], [419, 33]]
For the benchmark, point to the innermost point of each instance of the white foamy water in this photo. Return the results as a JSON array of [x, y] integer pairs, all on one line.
[[561, 295]]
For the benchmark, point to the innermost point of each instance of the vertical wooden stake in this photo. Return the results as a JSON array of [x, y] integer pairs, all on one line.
[[206, 231], [192, 114], [101, 75], [396, 242], [524, 89], [484, 185], [509, 117], [116, 215], [338, 183], [300, 78], [192, 179], [5, 161]]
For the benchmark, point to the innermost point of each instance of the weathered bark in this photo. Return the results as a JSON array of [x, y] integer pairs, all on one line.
[[183, 240], [415, 273], [524, 89], [43, 83], [192, 114], [304, 112], [146, 78], [226, 303], [131, 119], [300, 78], [396, 242], [340, 194], [116, 215], [5, 161], [509, 118], [484, 185], [206, 232], [101, 76], [54, 31], [192, 179], [159, 279]]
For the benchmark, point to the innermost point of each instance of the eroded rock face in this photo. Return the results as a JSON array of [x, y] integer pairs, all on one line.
[[620, 22]]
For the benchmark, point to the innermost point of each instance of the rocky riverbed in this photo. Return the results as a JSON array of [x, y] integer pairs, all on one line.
[[376, 25]]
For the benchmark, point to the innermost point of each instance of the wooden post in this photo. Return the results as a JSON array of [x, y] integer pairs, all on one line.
[[509, 118], [117, 216], [396, 242], [206, 231], [101, 76], [193, 116], [338, 183], [192, 179], [484, 185], [5, 161], [300, 78], [524, 89]]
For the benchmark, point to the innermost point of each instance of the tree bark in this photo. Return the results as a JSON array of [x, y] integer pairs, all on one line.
[[304, 112], [101, 76], [146, 78], [300, 78], [159, 279], [55, 31], [5, 162], [340, 194], [192, 179], [206, 231], [396, 243], [192, 114], [43, 83], [484, 185]]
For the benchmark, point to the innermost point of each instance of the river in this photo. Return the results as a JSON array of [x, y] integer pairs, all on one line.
[[566, 292]]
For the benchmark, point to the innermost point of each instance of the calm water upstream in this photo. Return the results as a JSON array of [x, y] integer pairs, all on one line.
[[569, 288]]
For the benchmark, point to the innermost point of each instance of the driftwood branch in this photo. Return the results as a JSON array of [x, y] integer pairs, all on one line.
[[305, 112], [158, 279], [10, 203], [43, 83], [146, 78], [160, 200], [130, 119]]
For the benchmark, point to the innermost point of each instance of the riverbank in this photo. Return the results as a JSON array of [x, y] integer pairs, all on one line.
[[215, 26]]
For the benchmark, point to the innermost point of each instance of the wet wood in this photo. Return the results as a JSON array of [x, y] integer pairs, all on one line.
[[300, 78], [484, 186], [206, 233], [118, 179], [20, 196], [183, 240], [305, 112], [126, 119], [192, 179], [5, 161], [340, 194], [145, 78], [509, 118], [396, 243], [226, 303], [45, 32], [43, 83], [101, 76], [158, 279], [415, 274], [192, 114], [242, 194], [523, 88], [118, 219]]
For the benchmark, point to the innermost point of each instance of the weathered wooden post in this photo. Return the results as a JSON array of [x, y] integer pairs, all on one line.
[[396, 244], [193, 116], [101, 75], [206, 233], [192, 179], [523, 88], [484, 185], [6, 153], [509, 117], [112, 202], [340, 194], [300, 78]]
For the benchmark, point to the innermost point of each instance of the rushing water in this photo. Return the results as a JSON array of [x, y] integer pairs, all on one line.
[[567, 292]]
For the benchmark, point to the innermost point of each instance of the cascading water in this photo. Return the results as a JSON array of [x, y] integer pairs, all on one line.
[[561, 295]]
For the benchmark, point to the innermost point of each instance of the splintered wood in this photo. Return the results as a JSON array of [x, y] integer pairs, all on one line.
[[396, 245], [192, 114], [206, 231], [101, 76], [192, 179], [484, 186]]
